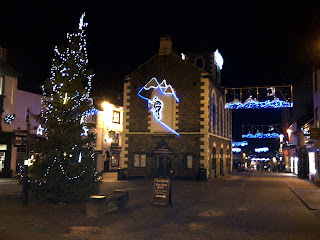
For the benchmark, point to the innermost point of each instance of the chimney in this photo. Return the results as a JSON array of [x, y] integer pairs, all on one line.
[[165, 45], [3, 54]]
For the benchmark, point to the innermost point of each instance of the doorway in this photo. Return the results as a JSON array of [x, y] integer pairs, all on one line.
[[162, 165]]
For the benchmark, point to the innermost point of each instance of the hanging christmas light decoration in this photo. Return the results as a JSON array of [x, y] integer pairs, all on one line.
[[261, 135], [9, 118], [262, 131], [259, 97], [239, 144]]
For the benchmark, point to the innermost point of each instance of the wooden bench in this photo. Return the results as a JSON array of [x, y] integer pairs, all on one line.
[[99, 205], [137, 173], [184, 174]]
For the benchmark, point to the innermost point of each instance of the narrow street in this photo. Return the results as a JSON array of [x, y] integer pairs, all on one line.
[[250, 205]]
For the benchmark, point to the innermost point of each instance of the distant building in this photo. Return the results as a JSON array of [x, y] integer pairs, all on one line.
[[175, 123], [16, 109], [301, 145]]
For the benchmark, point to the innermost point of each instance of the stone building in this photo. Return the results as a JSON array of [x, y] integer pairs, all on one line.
[[175, 123]]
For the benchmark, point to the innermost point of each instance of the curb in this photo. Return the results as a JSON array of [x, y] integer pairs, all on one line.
[[300, 198]]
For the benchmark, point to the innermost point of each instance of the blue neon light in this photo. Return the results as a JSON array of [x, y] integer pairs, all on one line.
[[236, 150], [254, 104], [261, 135], [155, 105], [239, 144], [262, 149]]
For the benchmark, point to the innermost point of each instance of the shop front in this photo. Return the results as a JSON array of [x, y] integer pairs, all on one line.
[[5, 154]]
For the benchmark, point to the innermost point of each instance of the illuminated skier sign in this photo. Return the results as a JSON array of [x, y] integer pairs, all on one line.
[[158, 99]]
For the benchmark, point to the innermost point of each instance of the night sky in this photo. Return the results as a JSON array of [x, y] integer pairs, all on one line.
[[262, 42]]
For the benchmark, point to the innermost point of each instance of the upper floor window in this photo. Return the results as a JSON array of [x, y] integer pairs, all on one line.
[[199, 62], [213, 112], [221, 117], [116, 116]]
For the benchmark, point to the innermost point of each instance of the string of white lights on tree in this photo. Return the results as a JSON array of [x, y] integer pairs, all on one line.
[[67, 105]]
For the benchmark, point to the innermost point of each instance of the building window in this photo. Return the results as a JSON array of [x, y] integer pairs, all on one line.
[[116, 117], [213, 112], [185, 162], [1, 85], [189, 161], [221, 118], [115, 160], [115, 139], [140, 160], [199, 62]]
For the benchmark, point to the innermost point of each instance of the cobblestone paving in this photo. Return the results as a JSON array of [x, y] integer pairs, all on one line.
[[247, 206]]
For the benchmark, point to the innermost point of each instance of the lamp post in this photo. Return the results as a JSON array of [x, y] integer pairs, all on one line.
[[25, 182]]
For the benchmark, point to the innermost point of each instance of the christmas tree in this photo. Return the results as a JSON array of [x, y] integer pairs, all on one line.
[[66, 171]]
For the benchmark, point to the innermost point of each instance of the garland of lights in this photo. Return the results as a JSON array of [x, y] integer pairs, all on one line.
[[239, 144], [41, 180], [254, 104], [261, 135]]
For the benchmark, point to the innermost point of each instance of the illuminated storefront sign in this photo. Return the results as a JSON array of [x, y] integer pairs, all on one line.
[[312, 163], [155, 103]]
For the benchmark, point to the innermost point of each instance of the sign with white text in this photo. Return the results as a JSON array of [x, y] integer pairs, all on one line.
[[162, 192]]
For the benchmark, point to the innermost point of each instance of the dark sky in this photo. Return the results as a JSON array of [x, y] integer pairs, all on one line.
[[262, 42]]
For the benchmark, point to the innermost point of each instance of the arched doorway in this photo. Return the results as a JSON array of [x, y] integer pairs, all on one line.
[[162, 161]]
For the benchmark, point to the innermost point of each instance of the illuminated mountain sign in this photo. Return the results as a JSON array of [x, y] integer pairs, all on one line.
[[159, 97]]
